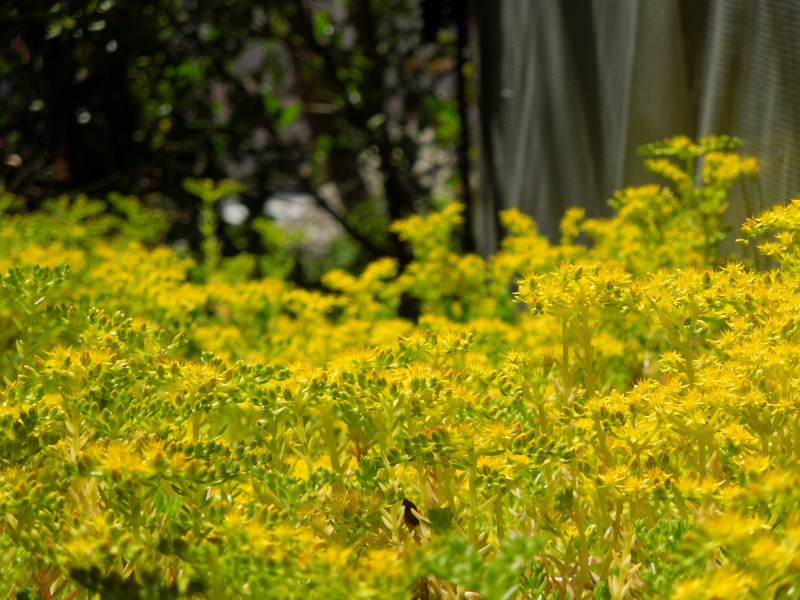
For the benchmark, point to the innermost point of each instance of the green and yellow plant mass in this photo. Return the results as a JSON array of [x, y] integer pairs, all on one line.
[[617, 420]]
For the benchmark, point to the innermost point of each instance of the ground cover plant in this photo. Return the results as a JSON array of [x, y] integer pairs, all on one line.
[[612, 420]]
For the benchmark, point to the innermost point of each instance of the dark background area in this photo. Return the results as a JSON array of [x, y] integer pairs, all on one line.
[[351, 103]]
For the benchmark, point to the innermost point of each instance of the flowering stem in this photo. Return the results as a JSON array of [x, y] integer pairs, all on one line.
[[688, 359], [588, 356], [498, 517], [579, 518], [566, 379], [473, 495], [330, 437], [602, 441]]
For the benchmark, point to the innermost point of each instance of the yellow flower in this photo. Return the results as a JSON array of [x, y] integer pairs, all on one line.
[[732, 528], [755, 464], [725, 584], [772, 554], [122, 457], [730, 584], [383, 562], [615, 476], [729, 494], [636, 487]]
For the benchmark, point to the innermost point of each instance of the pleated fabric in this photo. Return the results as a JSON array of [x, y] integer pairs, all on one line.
[[569, 90]]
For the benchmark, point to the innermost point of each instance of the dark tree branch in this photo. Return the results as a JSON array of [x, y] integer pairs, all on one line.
[[351, 231]]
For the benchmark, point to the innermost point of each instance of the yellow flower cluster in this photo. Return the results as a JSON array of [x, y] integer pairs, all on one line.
[[619, 421]]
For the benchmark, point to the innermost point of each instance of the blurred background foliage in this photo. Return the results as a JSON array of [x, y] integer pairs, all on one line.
[[350, 106]]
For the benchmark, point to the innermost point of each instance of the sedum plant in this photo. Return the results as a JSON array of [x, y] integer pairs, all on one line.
[[781, 227], [670, 226], [557, 422]]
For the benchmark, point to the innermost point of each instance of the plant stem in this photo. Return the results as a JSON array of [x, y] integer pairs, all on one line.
[[566, 380]]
